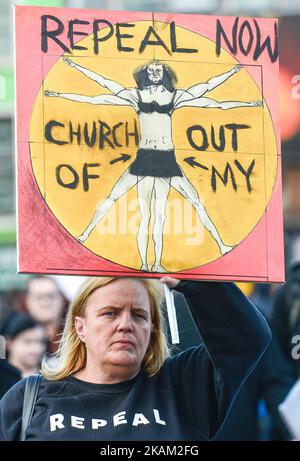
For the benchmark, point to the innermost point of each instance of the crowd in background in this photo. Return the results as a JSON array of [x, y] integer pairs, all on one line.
[[31, 323]]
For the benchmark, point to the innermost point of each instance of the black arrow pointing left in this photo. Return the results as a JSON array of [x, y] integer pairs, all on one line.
[[191, 161]]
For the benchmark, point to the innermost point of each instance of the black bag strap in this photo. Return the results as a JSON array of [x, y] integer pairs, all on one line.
[[30, 395]]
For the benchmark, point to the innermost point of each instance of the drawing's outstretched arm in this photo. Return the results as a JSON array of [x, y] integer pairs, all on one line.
[[201, 88], [111, 85], [211, 103], [105, 99]]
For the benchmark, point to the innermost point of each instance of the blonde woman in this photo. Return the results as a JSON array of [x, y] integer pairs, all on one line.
[[115, 379]]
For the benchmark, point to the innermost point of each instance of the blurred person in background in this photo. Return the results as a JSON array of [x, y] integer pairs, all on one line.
[[9, 302], [254, 413], [26, 342], [46, 304], [9, 375], [263, 297], [5, 308], [286, 315]]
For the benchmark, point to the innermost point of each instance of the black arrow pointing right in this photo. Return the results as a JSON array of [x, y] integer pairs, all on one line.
[[124, 158]]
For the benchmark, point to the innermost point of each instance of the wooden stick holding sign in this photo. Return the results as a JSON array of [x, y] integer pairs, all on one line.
[[169, 284]]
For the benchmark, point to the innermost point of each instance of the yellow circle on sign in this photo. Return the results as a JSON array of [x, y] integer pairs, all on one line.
[[79, 150]]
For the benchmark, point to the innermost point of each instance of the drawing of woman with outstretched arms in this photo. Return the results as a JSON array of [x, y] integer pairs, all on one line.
[[155, 170]]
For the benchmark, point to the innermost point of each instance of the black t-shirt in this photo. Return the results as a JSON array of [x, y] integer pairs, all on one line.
[[188, 399]]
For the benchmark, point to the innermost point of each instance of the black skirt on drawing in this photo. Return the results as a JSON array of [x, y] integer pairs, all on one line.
[[156, 163]]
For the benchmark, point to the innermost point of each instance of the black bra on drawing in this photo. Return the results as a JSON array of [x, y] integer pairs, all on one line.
[[153, 106]]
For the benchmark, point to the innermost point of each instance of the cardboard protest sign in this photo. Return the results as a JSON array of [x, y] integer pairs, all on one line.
[[148, 143]]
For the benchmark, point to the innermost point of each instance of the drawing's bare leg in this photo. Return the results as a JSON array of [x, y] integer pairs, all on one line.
[[185, 188], [161, 192], [144, 193], [124, 183]]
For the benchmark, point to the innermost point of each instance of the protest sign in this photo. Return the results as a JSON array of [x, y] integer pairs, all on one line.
[[148, 143]]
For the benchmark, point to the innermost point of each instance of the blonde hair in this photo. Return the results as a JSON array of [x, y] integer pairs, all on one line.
[[71, 354]]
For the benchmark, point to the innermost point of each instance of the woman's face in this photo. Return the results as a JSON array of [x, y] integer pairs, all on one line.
[[117, 325], [155, 72]]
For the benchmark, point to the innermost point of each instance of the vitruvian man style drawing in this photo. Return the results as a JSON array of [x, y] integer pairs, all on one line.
[[154, 170]]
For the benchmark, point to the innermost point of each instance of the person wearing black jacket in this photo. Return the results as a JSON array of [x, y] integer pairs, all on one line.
[[9, 376], [114, 379], [286, 316]]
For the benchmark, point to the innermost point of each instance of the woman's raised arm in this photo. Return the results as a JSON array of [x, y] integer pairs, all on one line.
[[104, 99], [111, 85]]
